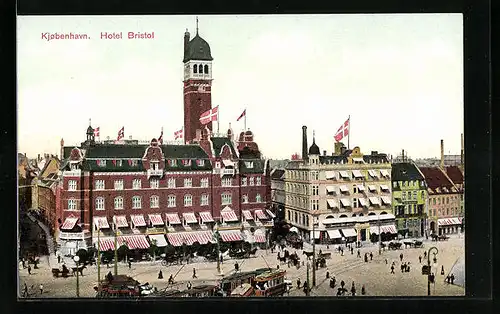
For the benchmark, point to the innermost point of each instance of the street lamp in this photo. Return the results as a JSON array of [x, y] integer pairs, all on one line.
[[429, 267], [379, 236], [314, 252], [77, 259], [217, 237]]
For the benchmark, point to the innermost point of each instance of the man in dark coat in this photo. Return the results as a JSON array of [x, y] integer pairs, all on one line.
[[452, 278], [371, 256], [353, 289]]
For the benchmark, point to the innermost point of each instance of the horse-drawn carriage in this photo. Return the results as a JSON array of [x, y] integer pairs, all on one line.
[[441, 237], [395, 245], [242, 253], [413, 244], [65, 272]]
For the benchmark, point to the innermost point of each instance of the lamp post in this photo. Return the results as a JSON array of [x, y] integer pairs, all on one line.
[[379, 236], [217, 237], [308, 283], [429, 267], [314, 253], [116, 251], [98, 254], [77, 259]]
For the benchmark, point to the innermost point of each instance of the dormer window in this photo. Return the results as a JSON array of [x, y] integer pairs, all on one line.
[[186, 162], [118, 163], [172, 162], [195, 68], [74, 167], [200, 162], [155, 165], [249, 164], [101, 162]]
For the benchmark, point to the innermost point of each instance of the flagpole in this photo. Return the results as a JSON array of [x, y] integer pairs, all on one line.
[[349, 133], [218, 109], [245, 121]]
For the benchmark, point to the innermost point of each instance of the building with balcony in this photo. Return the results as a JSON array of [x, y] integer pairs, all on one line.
[[347, 194], [409, 198]]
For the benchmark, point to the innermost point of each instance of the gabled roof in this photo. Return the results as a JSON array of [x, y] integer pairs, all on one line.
[[436, 178], [218, 142], [47, 164], [405, 172], [455, 174]]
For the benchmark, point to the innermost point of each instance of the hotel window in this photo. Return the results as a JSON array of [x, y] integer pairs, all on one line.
[[154, 201], [71, 204], [226, 199], [171, 201], [119, 202], [315, 175], [245, 198], [72, 185], [171, 183], [101, 162], [252, 181], [258, 181], [217, 164], [226, 182], [403, 195], [74, 166], [414, 195], [188, 183], [244, 182], [154, 183], [136, 202], [119, 184], [200, 162], [434, 201], [315, 204], [118, 163], [99, 185], [204, 182], [289, 215], [188, 200], [295, 217], [136, 184], [315, 190], [133, 163], [99, 203], [204, 200], [258, 198], [249, 164]]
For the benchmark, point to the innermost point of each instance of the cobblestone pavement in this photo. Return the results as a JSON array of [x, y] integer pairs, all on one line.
[[375, 274]]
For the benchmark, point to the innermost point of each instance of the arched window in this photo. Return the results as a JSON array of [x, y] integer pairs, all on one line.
[[195, 68], [353, 215], [343, 216], [361, 215], [295, 216], [383, 213], [206, 69], [200, 68], [371, 214], [307, 220]]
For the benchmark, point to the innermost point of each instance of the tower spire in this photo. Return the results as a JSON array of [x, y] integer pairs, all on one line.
[[314, 135], [196, 25], [90, 122]]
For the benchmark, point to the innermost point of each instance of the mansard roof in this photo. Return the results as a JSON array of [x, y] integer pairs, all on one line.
[[405, 171], [258, 166]]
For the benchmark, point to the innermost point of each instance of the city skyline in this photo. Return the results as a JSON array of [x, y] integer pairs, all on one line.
[[362, 66]]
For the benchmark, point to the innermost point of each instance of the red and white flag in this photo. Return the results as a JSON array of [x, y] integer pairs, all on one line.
[[209, 115], [244, 113], [121, 134], [96, 132], [160, 139], [178, 134], [343, 131]]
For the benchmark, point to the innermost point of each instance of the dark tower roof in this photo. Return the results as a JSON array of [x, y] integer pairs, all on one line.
[[314, 149], [197, 49], [90, 130]]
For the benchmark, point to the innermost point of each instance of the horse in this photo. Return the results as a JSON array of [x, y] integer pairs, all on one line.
[[282, 259], [308, 254], [78, 269], [253, 251]]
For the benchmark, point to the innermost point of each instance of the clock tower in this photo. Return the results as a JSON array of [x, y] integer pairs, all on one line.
[[197, 83]]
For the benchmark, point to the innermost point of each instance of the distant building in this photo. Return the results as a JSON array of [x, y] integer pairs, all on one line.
[[278, 192]]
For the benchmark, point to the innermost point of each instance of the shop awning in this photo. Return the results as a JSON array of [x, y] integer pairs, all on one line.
[[101, 222], [332, 203], [357, 174], [361, 187], [106, 244], [120, 221], [334, 234], [330, 175], [343, 188], [384, 229], [227, 163], [190, 218], [448, 221], [386, 200], [159, 238], [261, 215], [349, 232], [228, 215], [372, 187], [374, 200], [206, 217], [230, 235], [260, 236], [156, 219], [173, 218], [247, 214], [175, 239], [189, 238], [372, 173], [384, 173], [344, 174], [134, 242], [138, 220], [330, 189], [345, 202], [69, 223], [363, 202], [205, 236], [384, 187], [345, 220], [270, 213]]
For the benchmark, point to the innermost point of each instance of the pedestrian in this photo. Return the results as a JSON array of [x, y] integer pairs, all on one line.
[[442, 270], [359, 253], [352, 250], [366, 258], [25, 290], [272, 249], [332, 282], [401, 257], [447, 279], [58, 259], [386, 261], [371, 256], [392, 269], [342, 252], [24, 263], [425, 254], [353, 289], [160, 275], [342, 284], [29, 269], [403, 266], [221, 259], [339, 291], [420, 258], [41, 289], [452, 278], [236, 267], [189, 285], [298, 283], [363, 290], [129, 265], [171, 280], [327, 274], [194, 273], [287, 263], [431, 278], [278, 266]]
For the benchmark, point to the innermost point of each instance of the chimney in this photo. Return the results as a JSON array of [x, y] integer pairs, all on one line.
[[186, 42], [442, 155], [304, 142], [462, 151], [198, 135], [324, 153], [38, 157], [403, 154]]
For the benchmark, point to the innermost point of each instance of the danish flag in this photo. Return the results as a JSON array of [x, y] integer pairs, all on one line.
[[96, 132], [244, 113], [343, 131], [178, 134], [160, 139], [210, 115], [121, 134]]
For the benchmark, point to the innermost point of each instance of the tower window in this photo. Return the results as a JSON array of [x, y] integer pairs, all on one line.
[[195, 68], [201, 68], [206, 69]]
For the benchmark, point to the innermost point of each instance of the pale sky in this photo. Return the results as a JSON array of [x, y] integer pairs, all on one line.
[[399, 77]]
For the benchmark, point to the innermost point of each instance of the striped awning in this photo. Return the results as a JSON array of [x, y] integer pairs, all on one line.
[[372, 187], [261, 215], [343, 188], [361, 187], [332, 203], [120, 221], [206, 217], [384, 229], [345, 202], [205, 236], [69, 223], [247, 214], [138, 220], [175, 239], [230, 235], [228, 215], [448, 221], [344, 174], [106, 244], [173, 219], [270, 213], [384, 187], [189, 237], [134, 242], [101, 222], [259, 236], [159, 239], [330, 189], [357, 174], [190, 218], [156, 219]]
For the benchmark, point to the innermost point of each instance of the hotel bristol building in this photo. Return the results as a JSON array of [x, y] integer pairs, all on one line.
[[169, 194], [347, 194]]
